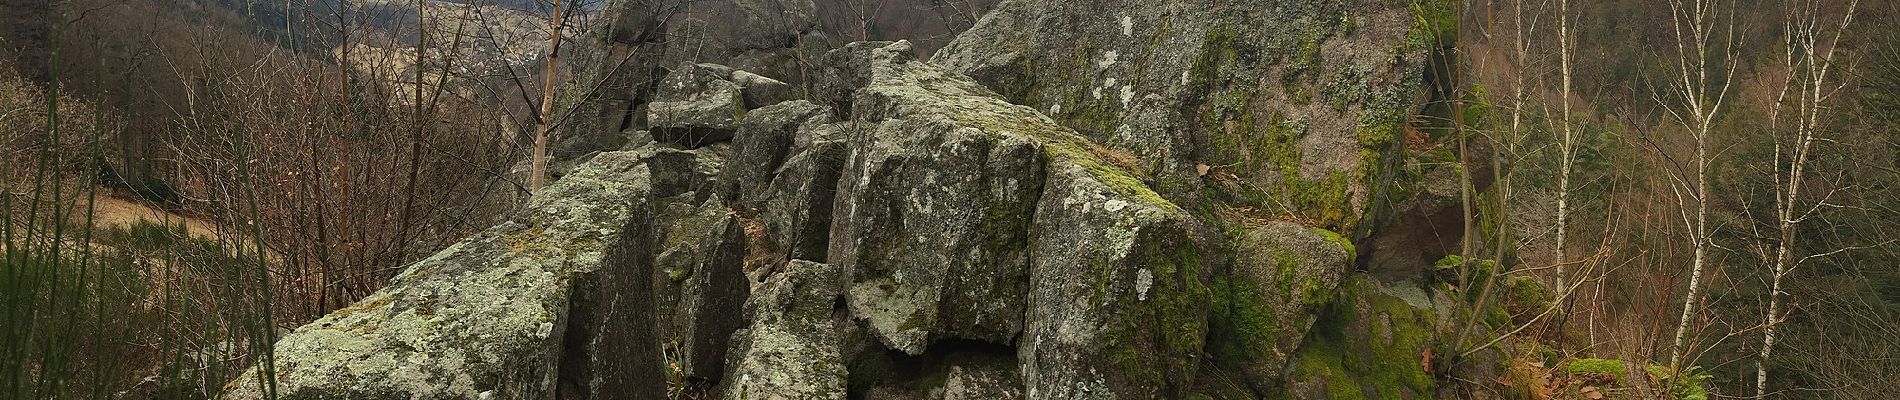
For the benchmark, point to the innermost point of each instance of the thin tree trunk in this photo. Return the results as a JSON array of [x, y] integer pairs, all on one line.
[[1694, 24], [1566, 150], [538, 164], [1812, 69]]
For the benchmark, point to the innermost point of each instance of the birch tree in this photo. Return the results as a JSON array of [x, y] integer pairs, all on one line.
[[538, 162], [1566, 146], [1704, 72], [1809, 60]]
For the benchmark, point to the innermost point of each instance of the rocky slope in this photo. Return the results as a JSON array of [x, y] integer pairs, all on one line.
[[1138, 203]]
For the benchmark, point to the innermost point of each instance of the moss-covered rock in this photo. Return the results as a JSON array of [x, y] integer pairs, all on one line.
[[1295, 102], [1116, 304], [1374, 342], [1284, 274], [1596, 368]]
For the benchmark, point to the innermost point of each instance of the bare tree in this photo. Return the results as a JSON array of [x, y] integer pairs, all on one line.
[[1809, 61], [1700, 88], [1566, 147], [538, 170]]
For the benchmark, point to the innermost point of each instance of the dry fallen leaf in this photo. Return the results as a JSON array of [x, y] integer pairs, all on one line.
[[1201, 169]]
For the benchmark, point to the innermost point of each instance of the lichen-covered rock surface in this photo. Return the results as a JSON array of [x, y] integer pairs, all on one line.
[[791, 350], [1376, 341], [484, 318], [1287, 103]]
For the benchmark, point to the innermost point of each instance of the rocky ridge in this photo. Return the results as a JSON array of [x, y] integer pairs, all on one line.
[[908, 231]]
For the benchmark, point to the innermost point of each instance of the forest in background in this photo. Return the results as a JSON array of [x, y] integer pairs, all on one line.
[[318, 152]]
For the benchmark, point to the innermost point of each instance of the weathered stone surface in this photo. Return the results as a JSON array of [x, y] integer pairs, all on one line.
[[610, 353], [1284, 275], [933, 208], [701, 284], [696, 105], [931, 224], [674, 171], [839, 74], [979, 378], [1374, 341], [797, 209], [760, 91], [617, 60], [790, 349], [774, 38], [1298, 100], [1116, 305], [760, 146], [1422, 227], [484, 318], [1115, 299], [772, 23]]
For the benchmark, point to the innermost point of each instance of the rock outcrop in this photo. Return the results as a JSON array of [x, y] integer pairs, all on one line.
[[907, 232], [1291, 105]]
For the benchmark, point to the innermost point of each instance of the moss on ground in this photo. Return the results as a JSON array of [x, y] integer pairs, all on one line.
[[1596, 366]]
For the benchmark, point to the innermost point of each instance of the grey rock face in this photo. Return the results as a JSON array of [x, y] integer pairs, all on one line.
[[761, 91], [1114, 286], [972, 378], [933, 208], [931, 223], [618, 60], [1115, 294], [797, 209], [610, 353], [483, 318], [761, 145], [696, 105], [676, 171], [790, 349], [701, 284], [1284, 275], [1299, 99]]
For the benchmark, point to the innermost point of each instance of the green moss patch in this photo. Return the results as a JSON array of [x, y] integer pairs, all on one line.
[[1369, 344]]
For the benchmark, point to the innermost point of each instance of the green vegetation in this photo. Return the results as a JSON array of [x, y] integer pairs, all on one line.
[[1611, 369]]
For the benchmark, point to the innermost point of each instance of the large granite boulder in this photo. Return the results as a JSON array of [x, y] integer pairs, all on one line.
[[1116, 299], [1284, 274], [1114, 291], [797, 206], [761, 144], [696, 105], [931, 221], [484, 318], [700, 283], [790, 349], [610, 353]]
